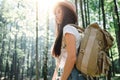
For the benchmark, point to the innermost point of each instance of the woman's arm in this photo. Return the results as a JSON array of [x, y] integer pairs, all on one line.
[[71, 55], [55, 71], [54, 75], [53, 78]]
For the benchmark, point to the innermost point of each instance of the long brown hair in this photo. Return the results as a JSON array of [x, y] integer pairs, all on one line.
[[69, 17]]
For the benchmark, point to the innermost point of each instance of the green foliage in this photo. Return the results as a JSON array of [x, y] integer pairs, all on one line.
[[20, 53]]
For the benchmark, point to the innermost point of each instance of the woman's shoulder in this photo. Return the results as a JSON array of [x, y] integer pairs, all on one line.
[[68, 26], [70, 29]]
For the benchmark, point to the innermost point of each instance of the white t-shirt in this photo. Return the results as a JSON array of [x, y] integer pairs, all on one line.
[[72, 30], [62, 58]]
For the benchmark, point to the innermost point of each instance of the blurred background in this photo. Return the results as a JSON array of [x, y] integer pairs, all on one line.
[[27, 33]]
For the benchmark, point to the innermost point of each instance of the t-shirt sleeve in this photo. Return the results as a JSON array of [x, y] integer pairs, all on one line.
[[70, 29]]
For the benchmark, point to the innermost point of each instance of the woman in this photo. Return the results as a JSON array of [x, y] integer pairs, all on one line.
[[66, 43]]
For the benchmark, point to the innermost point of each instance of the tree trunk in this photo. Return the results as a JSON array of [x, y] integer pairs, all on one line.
[[31, 70], [23, 47], [15, 58], [17, 70], [7, 65], [46, 48], [41, 60], [8, 53], [2, 54], [28, 64], [76, 6], [103, 14], [81, 8], [99, 11], [115, 24], [104, 26], [14, 61], [85, 9], [117, 28], [88, 12], [6, 69], [113, 71], [32, 62], [22, 69], [37, 75], [11, 72]]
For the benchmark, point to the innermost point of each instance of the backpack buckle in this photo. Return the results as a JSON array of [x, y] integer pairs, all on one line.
[[82, 51]]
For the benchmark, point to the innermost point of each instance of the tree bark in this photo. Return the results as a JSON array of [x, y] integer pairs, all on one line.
[[6, 69], [103, 14], [37, 74], [8, 53], [76, 6], [88, 12], [99, 10], [28, 64], [23, 47], [15, 58], [11, 72], [85, 11], [104, 26], [2, 54], [117, 28], [113, 71], [22, 69], [46, 48], [82, 14]]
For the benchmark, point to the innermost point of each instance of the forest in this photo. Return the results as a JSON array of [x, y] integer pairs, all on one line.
[[27, 34]]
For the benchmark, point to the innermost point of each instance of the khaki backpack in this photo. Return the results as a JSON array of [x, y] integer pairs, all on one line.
[[92, 59]]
